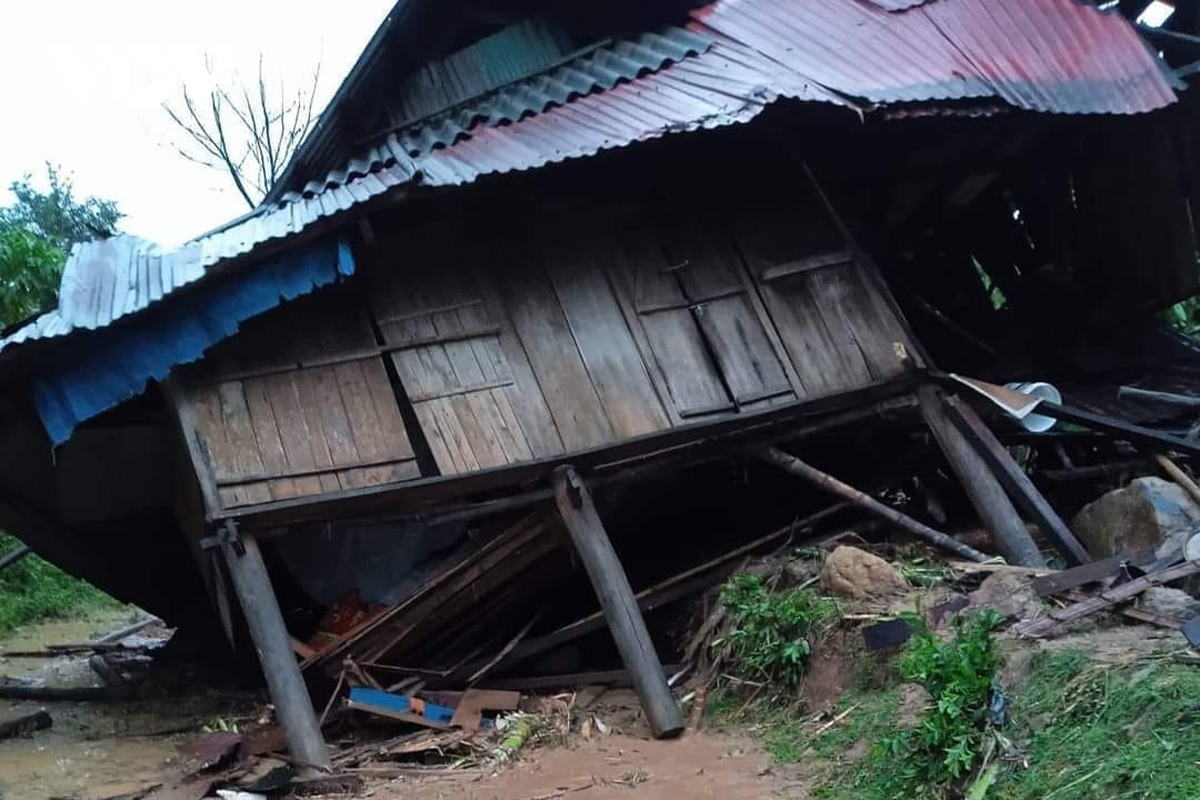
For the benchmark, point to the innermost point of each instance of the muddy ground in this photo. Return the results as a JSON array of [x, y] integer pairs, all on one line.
[[96, 750]]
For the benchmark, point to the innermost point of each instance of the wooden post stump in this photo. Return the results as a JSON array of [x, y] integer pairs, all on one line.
[[617, 601], [265, 621]]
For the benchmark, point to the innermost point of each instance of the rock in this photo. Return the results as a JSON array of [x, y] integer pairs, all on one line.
[[1148, 514], [1008, 593], [850, 572], [1174, 603]]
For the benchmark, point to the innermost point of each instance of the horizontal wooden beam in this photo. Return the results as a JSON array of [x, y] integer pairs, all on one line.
[[709, 439]]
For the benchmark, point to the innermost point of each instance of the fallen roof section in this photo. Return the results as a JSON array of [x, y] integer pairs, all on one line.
[[1056, 56]]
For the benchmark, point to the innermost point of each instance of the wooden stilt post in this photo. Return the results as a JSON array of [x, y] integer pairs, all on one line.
[[984, 491], [1015, 481], [617, 601], [265, 621]]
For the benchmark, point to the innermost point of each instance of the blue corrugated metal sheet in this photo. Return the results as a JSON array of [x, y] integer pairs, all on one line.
[[105, 368]]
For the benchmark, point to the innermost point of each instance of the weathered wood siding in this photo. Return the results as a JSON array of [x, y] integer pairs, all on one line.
[[298, 403], [510, 345]]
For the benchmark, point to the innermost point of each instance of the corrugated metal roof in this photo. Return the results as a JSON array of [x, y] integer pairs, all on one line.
[[1045, 55], [602, 68]]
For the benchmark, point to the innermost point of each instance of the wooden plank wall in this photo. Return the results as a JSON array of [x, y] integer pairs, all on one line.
[[298, 403], [533, 338]]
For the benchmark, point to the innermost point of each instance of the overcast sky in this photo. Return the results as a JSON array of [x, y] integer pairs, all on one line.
[[83, 82]]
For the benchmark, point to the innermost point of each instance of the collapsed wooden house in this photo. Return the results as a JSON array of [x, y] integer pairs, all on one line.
[[568, 247]]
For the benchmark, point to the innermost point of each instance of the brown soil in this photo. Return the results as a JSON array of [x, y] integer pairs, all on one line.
[[699, 765]]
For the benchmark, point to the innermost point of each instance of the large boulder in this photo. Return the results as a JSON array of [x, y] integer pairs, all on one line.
[[1008, 593], [850, 572], [1174, 603], [1148, 514]]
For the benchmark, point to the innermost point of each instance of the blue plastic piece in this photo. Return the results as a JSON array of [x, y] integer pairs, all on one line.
[[96, 370], [398, 702]]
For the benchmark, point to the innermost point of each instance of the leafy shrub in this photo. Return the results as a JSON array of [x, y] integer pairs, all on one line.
[[770, 635], [958, 675]]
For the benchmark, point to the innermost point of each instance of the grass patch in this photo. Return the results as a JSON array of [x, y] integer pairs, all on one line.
[[33, 589], [1099, 732]]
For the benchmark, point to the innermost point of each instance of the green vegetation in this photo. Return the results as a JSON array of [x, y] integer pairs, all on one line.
[[959, 675], [1185, 315], [1102, 732], [771, 632], [36, 233], [34, 589]]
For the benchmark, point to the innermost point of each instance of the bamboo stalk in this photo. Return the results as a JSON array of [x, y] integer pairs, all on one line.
[[794, 466]]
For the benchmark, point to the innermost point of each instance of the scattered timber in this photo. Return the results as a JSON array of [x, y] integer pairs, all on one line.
[[795, 466], [1117, 427], [1178, 475], [984, 491], [1171, 398], [13, 556], [128, 630], [578, 512], [37, 721], [1108, 471], [19, 690], [1053, 622]]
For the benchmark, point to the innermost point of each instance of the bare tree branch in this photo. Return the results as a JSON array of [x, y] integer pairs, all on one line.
[[243, 131]]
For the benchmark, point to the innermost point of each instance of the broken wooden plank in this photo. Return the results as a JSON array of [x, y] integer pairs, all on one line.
[[620, 607], [1179, 476], [1134, 393], [1014, 480], [468, 715], [1105, 599], [1117, 427], [1058, 582], [795, 466], [26, 723], [981, 486], [13, 556]]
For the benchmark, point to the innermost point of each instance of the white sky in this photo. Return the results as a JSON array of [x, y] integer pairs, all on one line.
[[82, 82]]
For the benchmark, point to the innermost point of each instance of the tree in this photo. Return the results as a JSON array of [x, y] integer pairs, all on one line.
[[248, 132], [36, 233], [56, 215], [30, 267]]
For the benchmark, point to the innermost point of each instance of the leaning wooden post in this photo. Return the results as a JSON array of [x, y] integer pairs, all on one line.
[[790, 464], [1020, 489], [270, 636], [617, 601], [984, 491]]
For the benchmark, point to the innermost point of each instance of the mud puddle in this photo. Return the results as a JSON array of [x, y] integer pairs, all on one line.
[[99, 749]]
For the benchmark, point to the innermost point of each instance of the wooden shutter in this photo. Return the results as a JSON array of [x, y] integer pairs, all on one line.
[[297, 403], [466, 376]]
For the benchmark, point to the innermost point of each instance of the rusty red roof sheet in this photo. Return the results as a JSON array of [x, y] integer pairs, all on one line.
[[1042, 55]]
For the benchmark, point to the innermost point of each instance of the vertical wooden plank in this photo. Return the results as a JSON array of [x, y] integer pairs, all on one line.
[[525, 398], [318, 439], [293, 432], [841, 301], [566, 386], [241, 450], [266, 432], [826, 360], [608, 350]]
